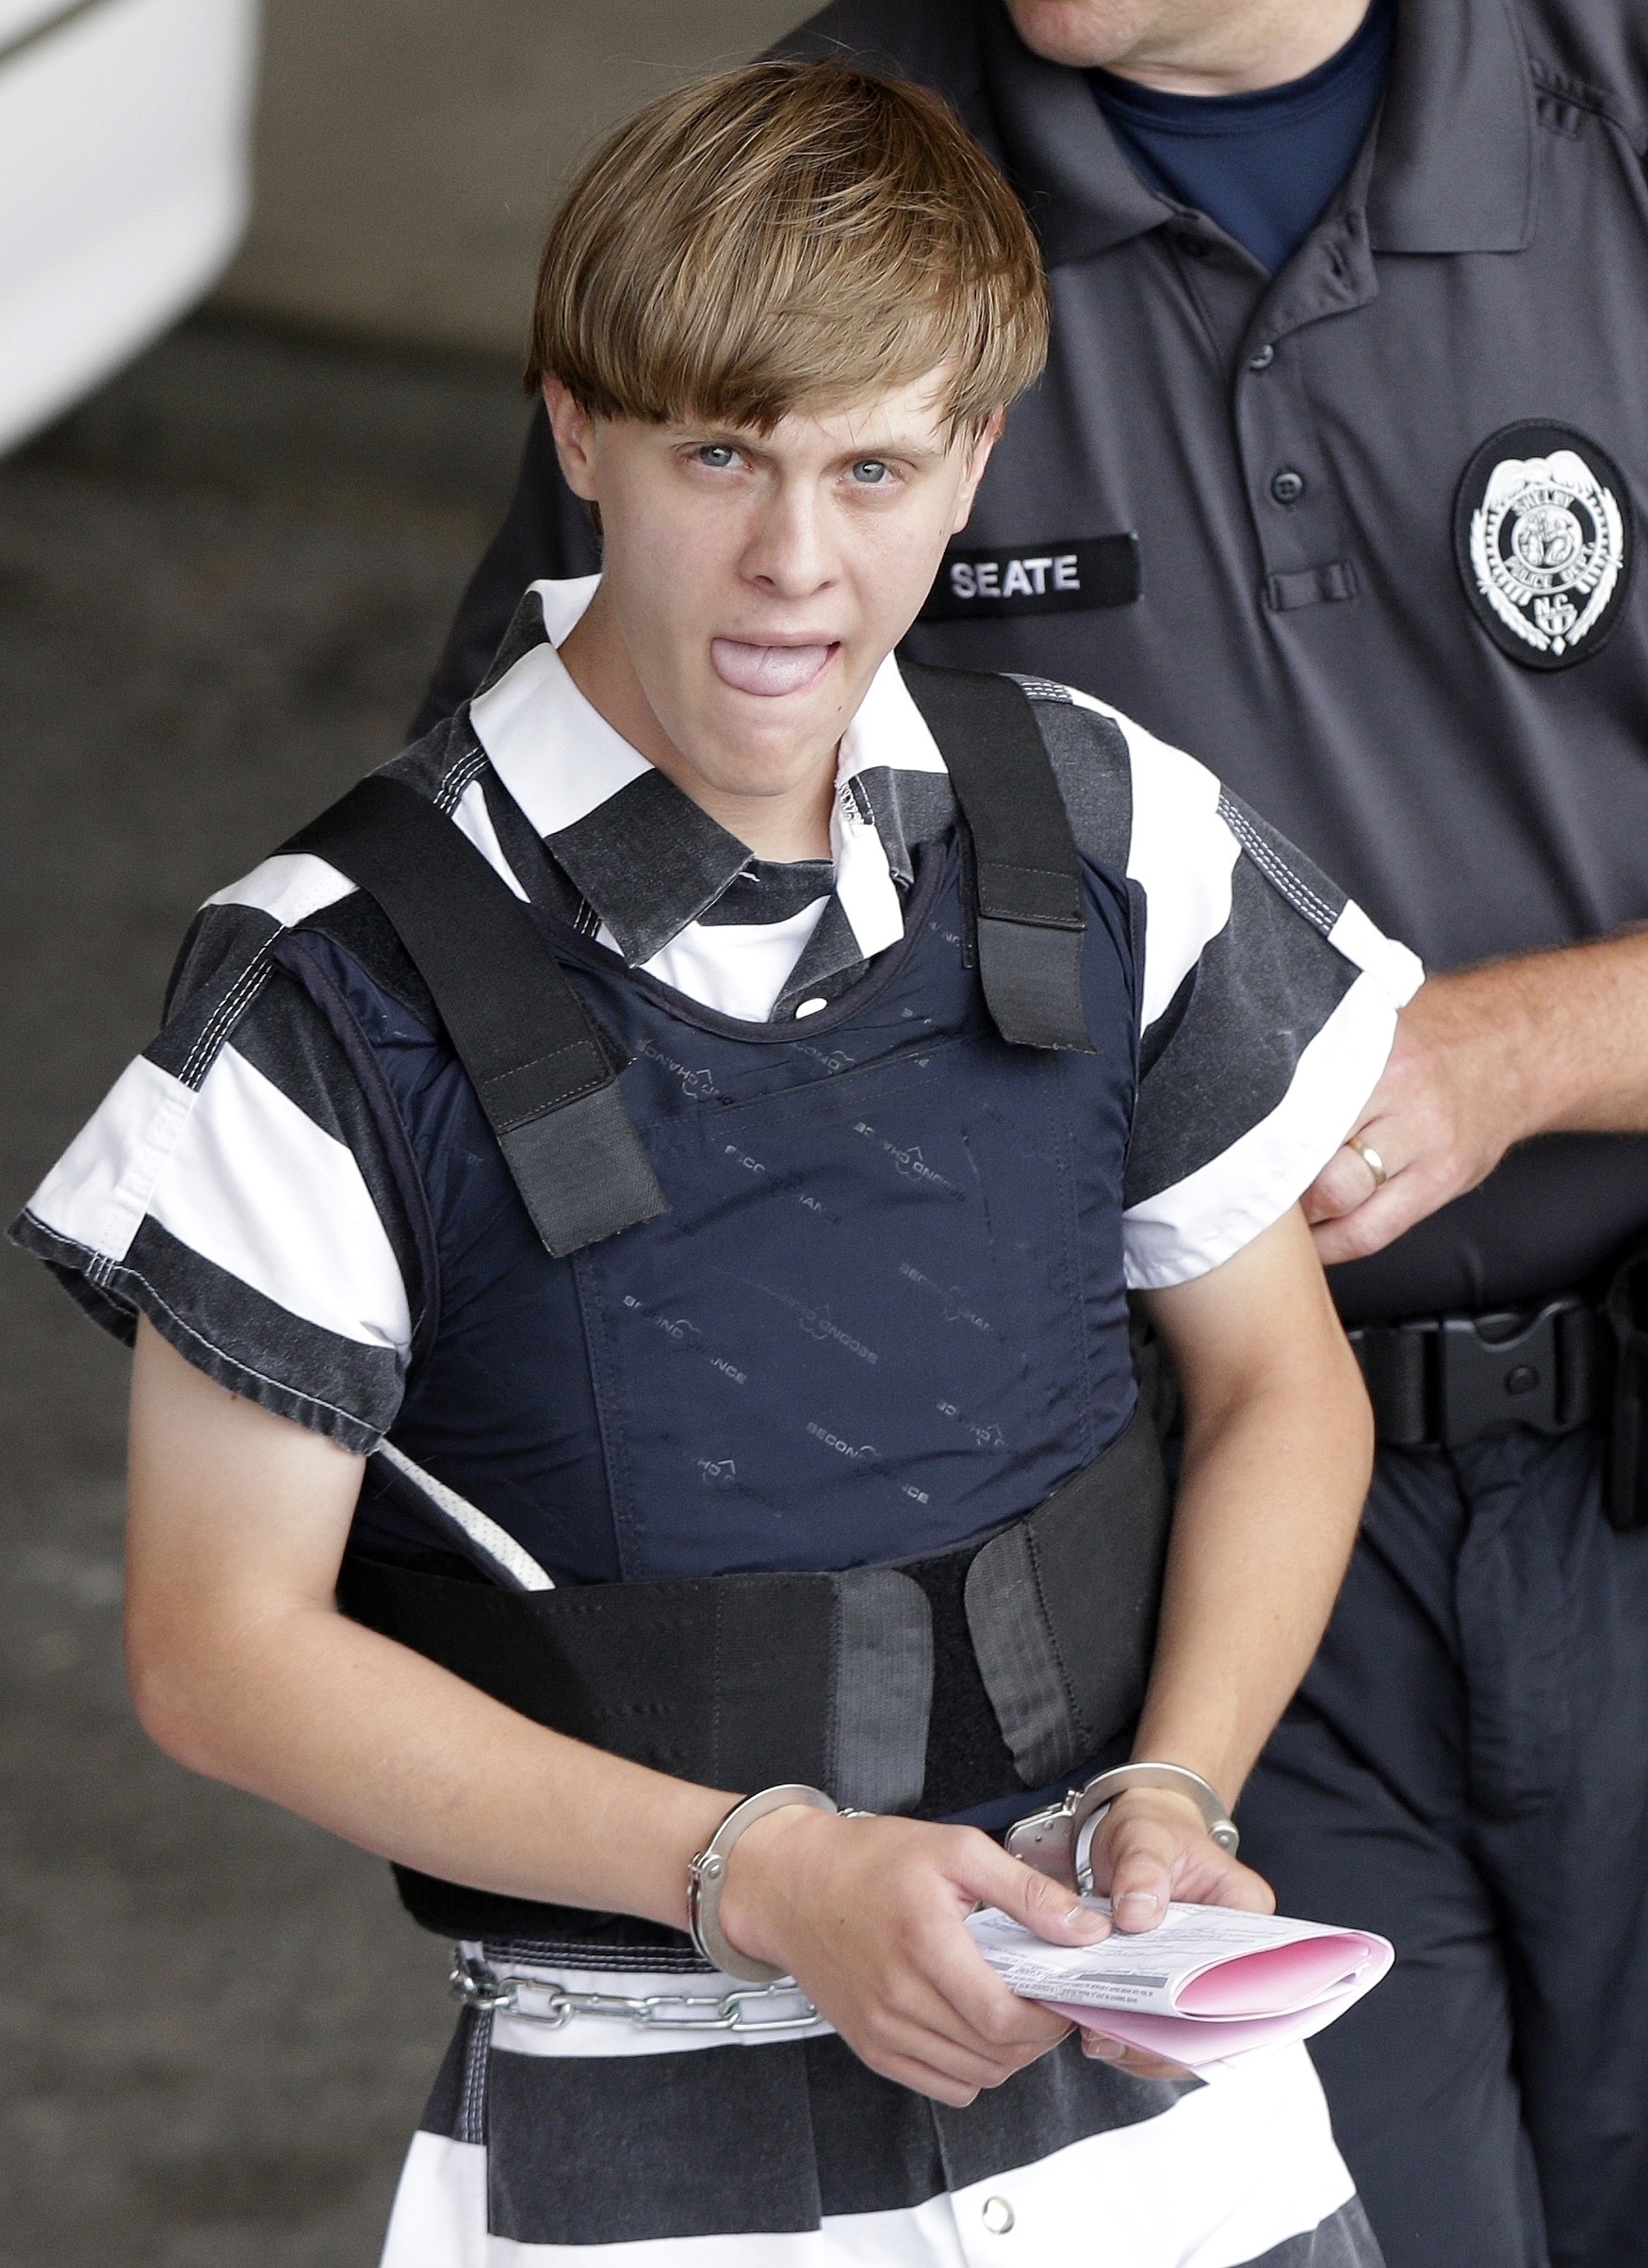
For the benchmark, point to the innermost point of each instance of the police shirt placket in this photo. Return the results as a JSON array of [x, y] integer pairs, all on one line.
[[1298, 524], [1223, 279]]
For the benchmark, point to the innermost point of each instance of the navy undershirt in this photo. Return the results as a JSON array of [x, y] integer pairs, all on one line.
[[1263, 164]]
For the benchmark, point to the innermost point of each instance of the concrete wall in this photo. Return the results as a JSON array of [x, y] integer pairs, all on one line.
[[408, 150]]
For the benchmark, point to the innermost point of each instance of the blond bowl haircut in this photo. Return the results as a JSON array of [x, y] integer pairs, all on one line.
[[788, 236]]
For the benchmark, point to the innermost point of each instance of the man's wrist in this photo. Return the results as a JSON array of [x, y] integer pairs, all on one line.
[[1148, 1803], [1222, 1764], [1177, 1788], [767, 1854]]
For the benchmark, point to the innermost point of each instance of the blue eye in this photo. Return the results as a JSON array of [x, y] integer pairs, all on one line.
[[717, 455], [871, 472]]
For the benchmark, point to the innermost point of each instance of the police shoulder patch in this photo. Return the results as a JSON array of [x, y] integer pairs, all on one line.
[[1545, 543]]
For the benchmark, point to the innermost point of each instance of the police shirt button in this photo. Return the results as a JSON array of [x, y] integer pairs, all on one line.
[[1262, 360], [811, 1007], [998, 2216], [1287, 486]]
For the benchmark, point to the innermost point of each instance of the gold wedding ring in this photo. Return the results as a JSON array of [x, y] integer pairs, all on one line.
[[1370, 1158]]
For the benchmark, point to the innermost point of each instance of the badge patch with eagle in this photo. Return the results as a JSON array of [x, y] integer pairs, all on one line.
[[1546, 544]]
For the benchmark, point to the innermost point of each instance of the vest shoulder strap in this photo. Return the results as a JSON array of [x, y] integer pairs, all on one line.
[[1026, 872], [521, 1033], [516, 1025]]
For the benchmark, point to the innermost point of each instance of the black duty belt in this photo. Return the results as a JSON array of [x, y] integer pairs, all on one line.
[[1439, 1381]]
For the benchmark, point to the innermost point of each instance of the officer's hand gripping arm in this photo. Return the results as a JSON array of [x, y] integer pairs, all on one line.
[[1485, 1058]]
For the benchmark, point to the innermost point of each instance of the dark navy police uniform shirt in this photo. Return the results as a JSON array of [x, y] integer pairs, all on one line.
[[1316, 525]]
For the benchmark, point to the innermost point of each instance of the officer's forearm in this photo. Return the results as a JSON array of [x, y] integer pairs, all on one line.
[[1557, 1040], [1278, 1450]]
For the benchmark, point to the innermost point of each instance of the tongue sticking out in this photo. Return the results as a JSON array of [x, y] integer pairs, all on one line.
[[767, 669]]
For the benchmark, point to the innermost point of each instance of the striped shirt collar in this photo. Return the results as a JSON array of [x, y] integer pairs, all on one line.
[[648, 859]]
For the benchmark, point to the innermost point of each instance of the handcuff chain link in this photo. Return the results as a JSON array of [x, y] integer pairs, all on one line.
[[481, 1987]]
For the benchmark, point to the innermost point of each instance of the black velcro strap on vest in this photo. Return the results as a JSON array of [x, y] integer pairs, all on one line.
[[518, 1028], [1062, 1608], [1027, 874], [735, 1681]]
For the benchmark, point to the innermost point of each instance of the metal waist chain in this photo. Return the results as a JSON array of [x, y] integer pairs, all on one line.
[[539, 2000]]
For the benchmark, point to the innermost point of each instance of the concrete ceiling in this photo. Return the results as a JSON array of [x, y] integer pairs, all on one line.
[[408, 151]]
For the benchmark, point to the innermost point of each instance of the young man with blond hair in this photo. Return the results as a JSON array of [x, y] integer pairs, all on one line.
[[635, 1206]]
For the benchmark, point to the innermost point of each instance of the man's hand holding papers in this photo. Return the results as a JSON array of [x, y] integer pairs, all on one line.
[[1207, 1983]]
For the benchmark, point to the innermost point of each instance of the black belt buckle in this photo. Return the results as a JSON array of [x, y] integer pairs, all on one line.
[[1439, 1381], [1488, 1378]]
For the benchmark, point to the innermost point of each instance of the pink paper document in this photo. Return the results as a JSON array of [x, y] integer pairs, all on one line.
[[1208, 1984]]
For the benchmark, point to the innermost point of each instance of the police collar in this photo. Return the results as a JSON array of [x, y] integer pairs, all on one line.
[[1453, 163]]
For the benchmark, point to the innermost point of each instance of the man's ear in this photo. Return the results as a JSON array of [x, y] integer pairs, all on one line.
[[978, 456], [575, 432]]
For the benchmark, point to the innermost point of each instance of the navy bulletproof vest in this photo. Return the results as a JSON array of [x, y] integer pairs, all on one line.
[[871, 1313]]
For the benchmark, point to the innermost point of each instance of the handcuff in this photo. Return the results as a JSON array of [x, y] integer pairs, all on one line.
[[1057, 1841], [707, 1874]]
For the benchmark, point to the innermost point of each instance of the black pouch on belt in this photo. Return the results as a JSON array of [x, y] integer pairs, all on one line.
[[1625, 1308], [930, 1687]]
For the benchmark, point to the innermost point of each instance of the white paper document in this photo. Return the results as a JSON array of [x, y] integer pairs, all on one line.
[[1207, 1983]]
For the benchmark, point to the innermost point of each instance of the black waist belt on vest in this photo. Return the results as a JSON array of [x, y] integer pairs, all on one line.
[[929, 1686]]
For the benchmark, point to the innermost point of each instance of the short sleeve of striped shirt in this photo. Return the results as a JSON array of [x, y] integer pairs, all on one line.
[[1268, 998], [240, 1184]]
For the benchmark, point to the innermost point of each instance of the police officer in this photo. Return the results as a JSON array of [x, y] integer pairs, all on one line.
[[1335, 478]]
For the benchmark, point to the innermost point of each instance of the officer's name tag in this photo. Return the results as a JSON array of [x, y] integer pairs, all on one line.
[[1062, 578]]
